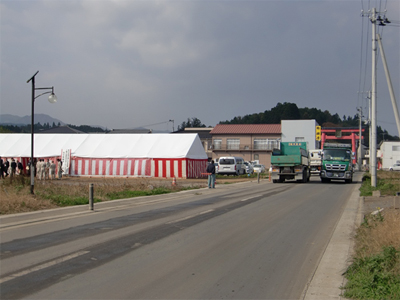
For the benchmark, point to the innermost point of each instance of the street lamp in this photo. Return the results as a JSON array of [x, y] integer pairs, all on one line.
[[52, 99]]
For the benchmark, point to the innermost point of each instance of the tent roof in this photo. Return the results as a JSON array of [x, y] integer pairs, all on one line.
[[104, 145]]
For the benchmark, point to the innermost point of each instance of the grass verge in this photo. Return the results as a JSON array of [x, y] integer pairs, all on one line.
[[375, 269], [15, 196], [387, 182]]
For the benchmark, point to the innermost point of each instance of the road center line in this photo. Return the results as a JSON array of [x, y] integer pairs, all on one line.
[[43, 266], [189, 217], [246, 199]]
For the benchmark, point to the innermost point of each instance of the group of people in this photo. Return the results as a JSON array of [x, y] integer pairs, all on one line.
[[11, 169], [43, 169], [48, 169]]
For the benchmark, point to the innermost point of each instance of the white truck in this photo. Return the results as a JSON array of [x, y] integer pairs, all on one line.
[[315, 158]]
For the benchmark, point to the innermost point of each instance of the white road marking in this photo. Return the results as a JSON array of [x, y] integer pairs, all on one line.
[[189, 217], [43, 266], [246, 199]]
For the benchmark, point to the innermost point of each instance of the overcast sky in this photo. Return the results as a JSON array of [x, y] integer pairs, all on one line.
[[127, 64]]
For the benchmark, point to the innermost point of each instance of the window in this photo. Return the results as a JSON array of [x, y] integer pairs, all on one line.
[[273, 144], [260, 144], [395, 148], [233, 144], [217, 144], [226, 161], [265, 144], [256, 157], [299, 139]]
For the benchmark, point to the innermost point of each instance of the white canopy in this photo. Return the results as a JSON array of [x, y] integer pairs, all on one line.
[[104, 145]]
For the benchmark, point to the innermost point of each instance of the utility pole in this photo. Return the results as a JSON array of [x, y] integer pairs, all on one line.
[[173, 129], [359, 152], [369, 129], [373, 151], [374, 17]]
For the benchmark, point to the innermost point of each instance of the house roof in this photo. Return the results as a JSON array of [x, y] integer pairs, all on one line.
[[247, 129]]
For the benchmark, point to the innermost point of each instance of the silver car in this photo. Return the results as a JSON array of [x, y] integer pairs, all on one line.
[[395, 167], [259, 168]]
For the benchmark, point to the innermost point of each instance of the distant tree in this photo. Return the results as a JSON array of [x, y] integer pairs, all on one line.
[[3, 129], [86, 128], [191, 123]]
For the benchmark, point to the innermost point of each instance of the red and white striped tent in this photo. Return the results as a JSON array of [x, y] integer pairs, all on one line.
[[117, 155]]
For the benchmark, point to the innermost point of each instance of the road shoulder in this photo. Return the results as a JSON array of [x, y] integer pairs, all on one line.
[[327, 280]]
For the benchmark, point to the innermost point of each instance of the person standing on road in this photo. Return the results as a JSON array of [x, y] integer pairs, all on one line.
[[211, 175]]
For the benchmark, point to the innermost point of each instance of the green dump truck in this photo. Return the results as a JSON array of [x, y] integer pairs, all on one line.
[[336, 163], [290, 162]]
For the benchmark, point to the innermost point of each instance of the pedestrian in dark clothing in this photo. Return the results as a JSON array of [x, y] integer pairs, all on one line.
[[20, 168], [6, 166], [211, 175], [13, 167], [1, 168]]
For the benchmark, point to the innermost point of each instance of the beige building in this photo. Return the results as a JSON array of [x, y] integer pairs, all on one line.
[[253, 142]]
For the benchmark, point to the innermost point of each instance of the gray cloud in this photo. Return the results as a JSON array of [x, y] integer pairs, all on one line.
[[124, 64]]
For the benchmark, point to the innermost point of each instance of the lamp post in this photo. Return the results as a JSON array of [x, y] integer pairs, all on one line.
[[52, 99]]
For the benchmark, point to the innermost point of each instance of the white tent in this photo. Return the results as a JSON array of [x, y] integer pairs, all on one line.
[[156, 155], [45, 145]]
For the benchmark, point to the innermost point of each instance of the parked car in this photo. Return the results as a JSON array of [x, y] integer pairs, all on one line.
[[259, 168], [231, 165], [249, 168], [395, 167]]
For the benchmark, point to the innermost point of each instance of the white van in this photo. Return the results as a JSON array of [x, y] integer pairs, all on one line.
[[231, 165]]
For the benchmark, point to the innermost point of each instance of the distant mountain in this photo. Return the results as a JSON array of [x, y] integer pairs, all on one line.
[[7, 119]]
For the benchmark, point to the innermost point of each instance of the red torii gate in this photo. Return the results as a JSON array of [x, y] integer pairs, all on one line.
[[338, 134]]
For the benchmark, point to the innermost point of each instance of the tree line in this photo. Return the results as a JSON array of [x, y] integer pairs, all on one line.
[[290, 111], [282, 111], [39, 127]]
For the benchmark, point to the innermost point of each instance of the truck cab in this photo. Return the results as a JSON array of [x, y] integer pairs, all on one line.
[[337, 163], [315, 157]]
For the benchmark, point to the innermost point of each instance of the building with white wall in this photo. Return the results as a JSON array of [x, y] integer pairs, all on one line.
[[390, 153], [300, 131]]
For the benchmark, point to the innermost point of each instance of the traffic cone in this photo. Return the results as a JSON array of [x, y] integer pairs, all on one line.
[[174, 181]]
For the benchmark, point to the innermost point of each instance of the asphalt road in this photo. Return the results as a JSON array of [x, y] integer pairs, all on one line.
[[239, 241]]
